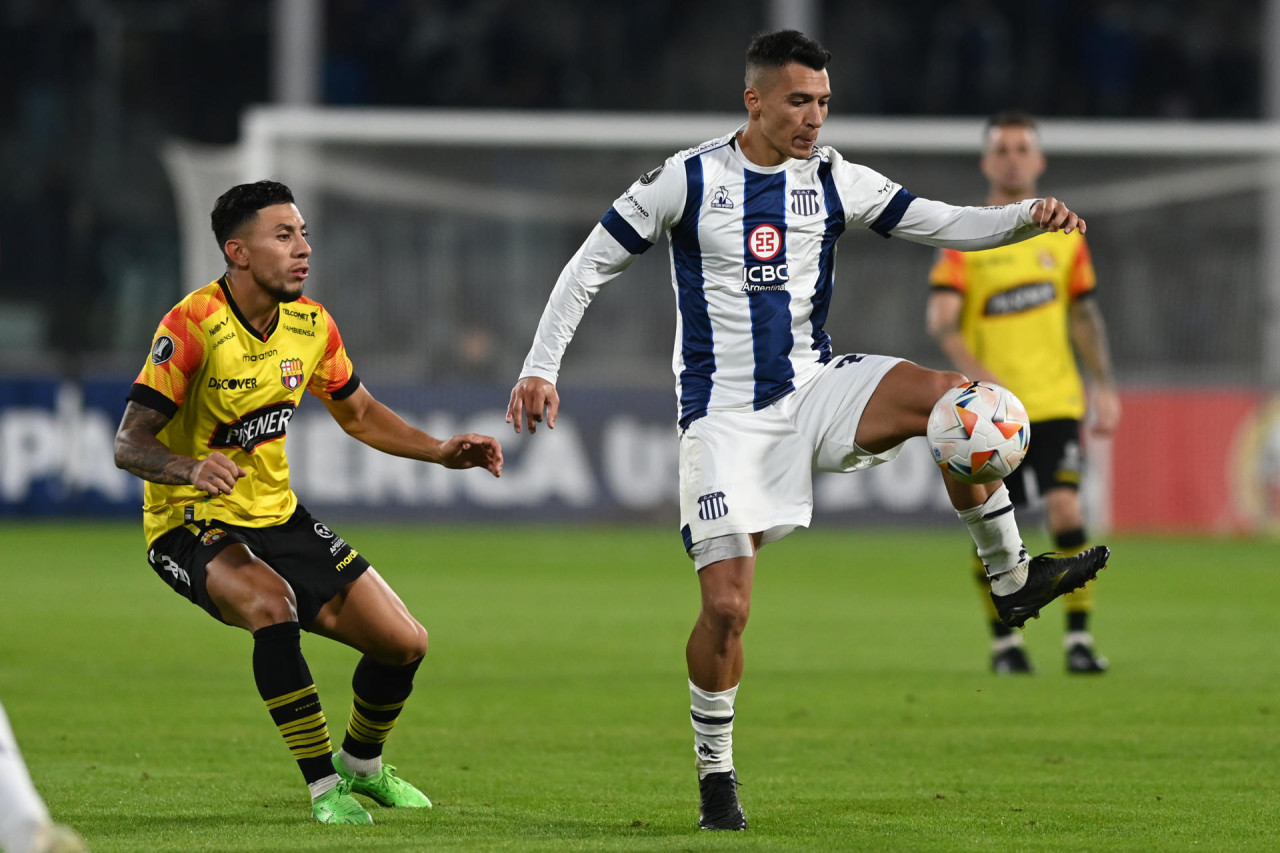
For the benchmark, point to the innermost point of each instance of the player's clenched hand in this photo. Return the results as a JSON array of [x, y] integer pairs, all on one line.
[[216, 474], [472, 450], [531, 396], [1104, 410], [1052, 215]]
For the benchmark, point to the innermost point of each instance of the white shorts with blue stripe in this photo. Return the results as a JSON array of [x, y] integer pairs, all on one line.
[[748, 472]]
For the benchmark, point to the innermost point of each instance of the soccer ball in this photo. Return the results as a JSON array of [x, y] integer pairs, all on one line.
[[978, 432]]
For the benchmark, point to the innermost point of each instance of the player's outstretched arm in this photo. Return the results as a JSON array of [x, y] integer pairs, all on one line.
[[364, 418], [530, 398], [138, 451]]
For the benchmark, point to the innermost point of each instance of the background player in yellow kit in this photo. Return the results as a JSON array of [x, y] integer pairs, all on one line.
[[1012, 315], [205, 427]]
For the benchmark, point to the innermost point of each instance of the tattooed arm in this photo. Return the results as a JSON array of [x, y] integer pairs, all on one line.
[[139, 452]]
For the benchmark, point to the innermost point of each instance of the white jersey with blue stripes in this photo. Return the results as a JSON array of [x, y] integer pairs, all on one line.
[[752, 263]]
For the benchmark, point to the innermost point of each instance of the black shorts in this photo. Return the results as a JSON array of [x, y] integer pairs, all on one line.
[[316, 562], [1054, 460]]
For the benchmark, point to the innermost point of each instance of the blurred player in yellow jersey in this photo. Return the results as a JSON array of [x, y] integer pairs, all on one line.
[[1020, 315]]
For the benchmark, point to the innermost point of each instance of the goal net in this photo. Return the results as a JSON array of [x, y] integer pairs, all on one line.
[[438, 234]]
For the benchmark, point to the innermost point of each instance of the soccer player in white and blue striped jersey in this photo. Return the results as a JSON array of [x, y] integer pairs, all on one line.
[[752, 220]]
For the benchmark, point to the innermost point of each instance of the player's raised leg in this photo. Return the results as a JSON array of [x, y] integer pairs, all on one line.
[[899, 409], [715, 660], [370, 617]]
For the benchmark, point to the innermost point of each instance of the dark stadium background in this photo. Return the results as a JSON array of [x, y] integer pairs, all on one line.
[[91, 246]]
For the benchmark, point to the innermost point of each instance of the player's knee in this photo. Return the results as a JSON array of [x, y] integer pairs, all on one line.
[[271, 607], [415, 645], [406, 647], [945, 380], [251, 594], [727, 610], [269, 599]]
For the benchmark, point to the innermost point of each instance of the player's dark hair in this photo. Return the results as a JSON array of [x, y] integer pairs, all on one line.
[[778, 48], [1011, 118], [241, 203]]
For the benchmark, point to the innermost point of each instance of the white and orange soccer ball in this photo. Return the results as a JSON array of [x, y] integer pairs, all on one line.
[[979, 432]]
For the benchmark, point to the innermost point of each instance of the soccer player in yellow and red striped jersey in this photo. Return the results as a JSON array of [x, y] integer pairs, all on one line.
[[1020, 315], [205, 427]]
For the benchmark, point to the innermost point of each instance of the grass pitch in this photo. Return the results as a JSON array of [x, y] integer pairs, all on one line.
[[552, 713]]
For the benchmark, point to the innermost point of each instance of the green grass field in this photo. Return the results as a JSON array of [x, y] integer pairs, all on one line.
[[552, 713]]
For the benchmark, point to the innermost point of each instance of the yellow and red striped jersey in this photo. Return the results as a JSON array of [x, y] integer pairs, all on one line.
[[1015, 315], [228, 388]]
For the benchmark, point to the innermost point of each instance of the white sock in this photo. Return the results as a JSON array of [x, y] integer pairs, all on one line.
[[995, 533], [712, 715], [1008, 641], [320, 787], [361, 766], [22, 812], [1077, 638]]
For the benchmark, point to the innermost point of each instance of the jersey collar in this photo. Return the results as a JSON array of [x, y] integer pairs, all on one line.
[[235, 309]]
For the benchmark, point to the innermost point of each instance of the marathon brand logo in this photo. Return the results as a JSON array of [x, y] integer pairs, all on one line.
[[233, 384], [1024, 297], [301, 315], [163, 349], [291, 373], [804, 202], [346, 561], [258, 427], [252, 357]]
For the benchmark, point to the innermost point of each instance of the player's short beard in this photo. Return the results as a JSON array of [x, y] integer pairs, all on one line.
[[278, 292]]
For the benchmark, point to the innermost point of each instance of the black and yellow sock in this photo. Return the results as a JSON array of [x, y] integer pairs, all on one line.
[[380, 694], [285, 684], [1077, 603]]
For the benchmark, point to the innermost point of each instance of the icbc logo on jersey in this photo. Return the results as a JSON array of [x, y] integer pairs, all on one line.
[[765, 243]]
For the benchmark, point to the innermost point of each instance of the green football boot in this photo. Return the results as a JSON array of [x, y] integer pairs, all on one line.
[[338, 806], [384, 787]]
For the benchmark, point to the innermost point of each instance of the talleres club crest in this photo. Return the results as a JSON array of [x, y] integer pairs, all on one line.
[[291, 373]]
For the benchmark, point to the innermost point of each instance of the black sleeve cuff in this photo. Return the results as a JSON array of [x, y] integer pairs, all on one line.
[[353, 384], [145, 395]]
